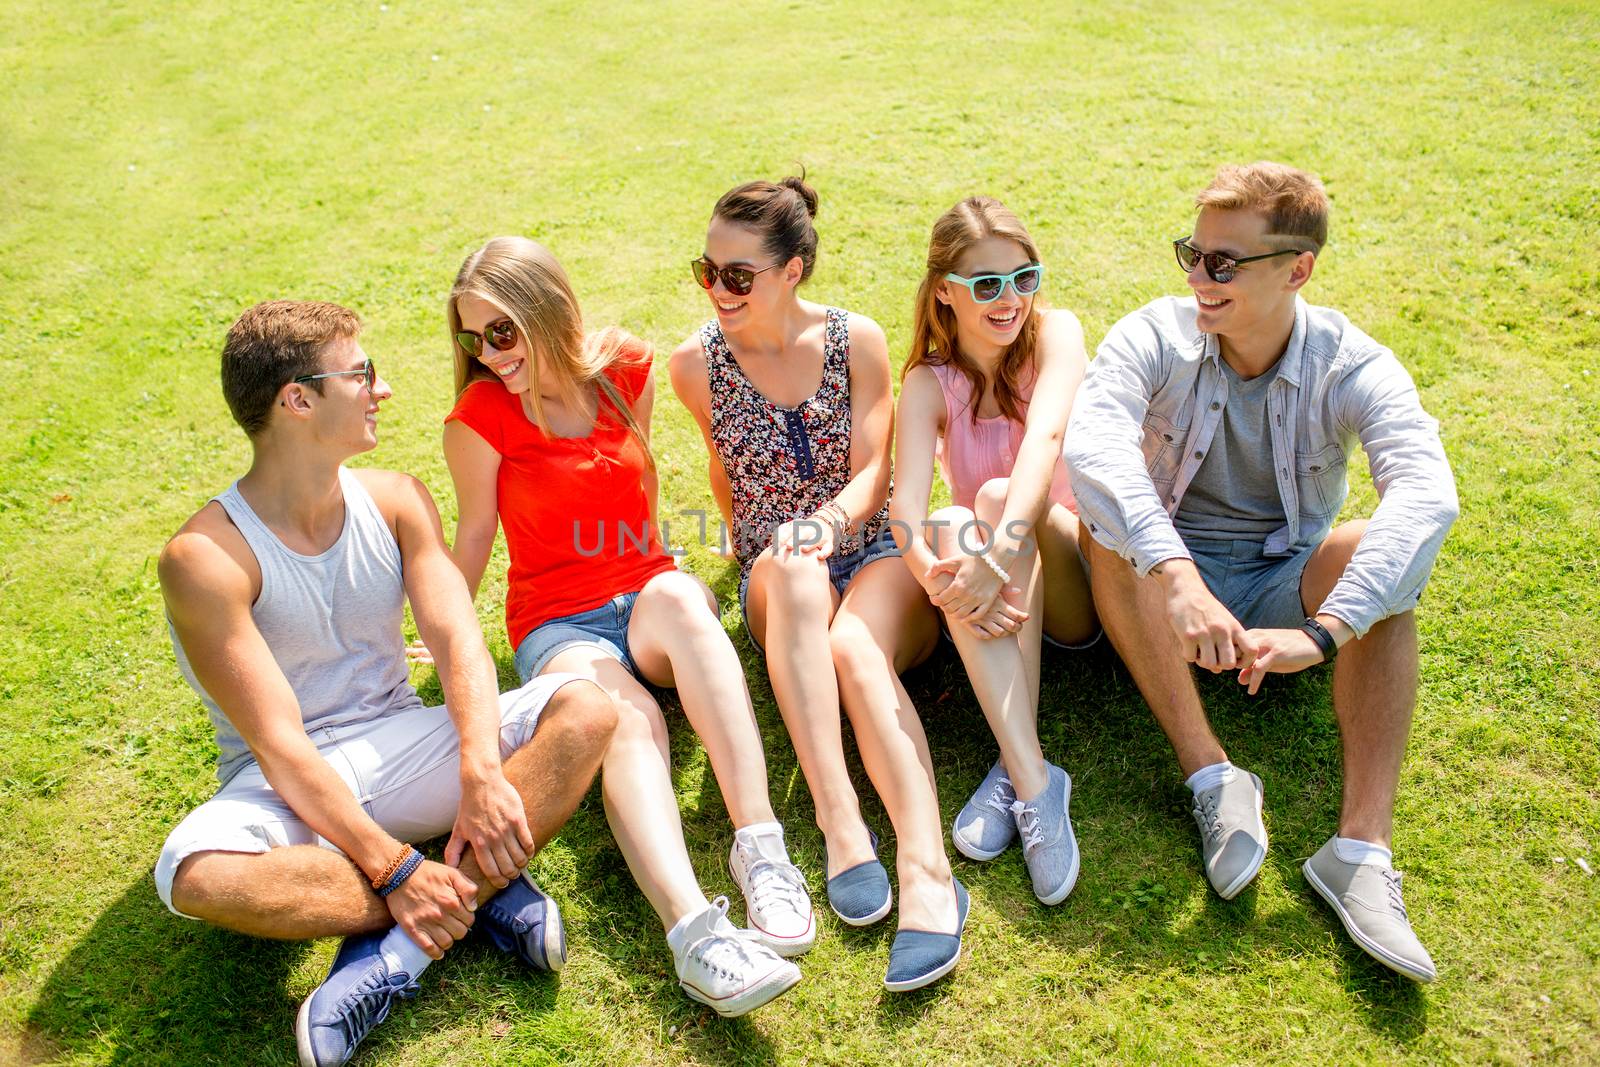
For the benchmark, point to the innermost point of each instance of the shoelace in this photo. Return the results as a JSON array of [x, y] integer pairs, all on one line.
[[720, 953], [369, 1002], [772, 883], [997, 796], [1027, 816], [1392, 878], [1205, 813]]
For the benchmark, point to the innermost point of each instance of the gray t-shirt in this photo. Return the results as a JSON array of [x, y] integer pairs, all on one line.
[[1234, 495]]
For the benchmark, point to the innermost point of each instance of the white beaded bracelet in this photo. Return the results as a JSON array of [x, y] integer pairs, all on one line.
[[999, 570]]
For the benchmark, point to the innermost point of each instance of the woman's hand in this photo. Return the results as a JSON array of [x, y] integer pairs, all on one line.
[[811, 536], [417, 652], [973, 588]]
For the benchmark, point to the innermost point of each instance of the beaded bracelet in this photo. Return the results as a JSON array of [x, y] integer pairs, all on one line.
[[999, 570], [394, 865], [406, 869]]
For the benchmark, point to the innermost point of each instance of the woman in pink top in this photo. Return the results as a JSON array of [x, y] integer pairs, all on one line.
[[987, 389]]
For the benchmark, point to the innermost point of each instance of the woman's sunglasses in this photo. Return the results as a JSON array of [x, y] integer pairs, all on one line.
[[501, 335], [737, 280], [986, 288], [1219, 268]]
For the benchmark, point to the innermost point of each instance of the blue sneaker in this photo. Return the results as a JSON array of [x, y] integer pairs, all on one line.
[[521, 921], [984, 828], [355, 997], [860, 895], [1048, 844], [922, 957]]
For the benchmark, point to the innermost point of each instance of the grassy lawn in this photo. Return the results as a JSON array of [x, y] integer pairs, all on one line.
[[164, 166]]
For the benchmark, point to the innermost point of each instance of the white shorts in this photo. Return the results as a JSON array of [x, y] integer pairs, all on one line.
[[404, 769]]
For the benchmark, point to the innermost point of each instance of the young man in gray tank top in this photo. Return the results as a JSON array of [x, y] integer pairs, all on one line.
[[284, 598], [1208, 453]]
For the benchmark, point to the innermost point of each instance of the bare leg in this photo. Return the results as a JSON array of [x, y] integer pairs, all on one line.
[[1374, 694], [790, 604], [637, 788], [677, 639], [886, 625], [555, 768], [1134, 613], [997, 670], [1069, 612], [305, 891]]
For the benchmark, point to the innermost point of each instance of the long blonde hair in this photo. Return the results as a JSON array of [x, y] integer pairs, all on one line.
[[933, 330], [525, 281]]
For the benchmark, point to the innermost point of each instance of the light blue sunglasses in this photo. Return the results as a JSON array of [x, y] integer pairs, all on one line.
[[986, 288]]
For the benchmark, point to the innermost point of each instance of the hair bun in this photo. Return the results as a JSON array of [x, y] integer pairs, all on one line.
[[808, 195]]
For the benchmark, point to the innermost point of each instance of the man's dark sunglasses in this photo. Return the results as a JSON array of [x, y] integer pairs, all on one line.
[[368, 370], [1219, 268], [501, 335], [738, 280]]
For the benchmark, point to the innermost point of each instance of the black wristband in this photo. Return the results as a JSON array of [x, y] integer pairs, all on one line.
[[1319, 633]]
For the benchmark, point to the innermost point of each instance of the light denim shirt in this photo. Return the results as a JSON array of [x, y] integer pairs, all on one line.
[[1149, 407]]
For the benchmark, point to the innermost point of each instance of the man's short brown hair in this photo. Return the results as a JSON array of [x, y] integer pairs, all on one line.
[[1294, 202], [272, 344]]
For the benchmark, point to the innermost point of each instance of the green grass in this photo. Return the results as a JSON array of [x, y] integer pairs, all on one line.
[[164, 166]]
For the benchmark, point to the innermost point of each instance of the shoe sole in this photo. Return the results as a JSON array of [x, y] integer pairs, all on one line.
[[774, 985], [555, 938], [1365, 943], [974, 853], [1248, 875], [302, 1034], [1072, 872], [864, 920]]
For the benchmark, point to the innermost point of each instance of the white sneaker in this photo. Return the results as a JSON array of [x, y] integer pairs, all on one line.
[[727, 968], [777, 903]]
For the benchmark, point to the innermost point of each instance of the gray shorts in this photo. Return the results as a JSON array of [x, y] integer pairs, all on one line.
[[1262, 591]]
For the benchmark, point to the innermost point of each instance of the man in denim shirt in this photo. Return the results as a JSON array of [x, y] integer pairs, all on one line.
[[1208, 451]]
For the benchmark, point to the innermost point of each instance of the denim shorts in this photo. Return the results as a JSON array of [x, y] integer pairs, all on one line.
[[605, 627], [841, 569], [1261, 591]]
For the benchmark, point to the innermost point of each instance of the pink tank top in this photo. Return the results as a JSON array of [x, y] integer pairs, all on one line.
[[973, 451]]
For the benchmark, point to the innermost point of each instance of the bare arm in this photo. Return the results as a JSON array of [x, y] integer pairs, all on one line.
[[491, 818], [474, 468], [209, 588], [1061, 362], [918, 423], [687, 367], [871, 420]]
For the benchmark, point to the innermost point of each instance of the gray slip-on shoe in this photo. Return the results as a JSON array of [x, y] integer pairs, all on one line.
[[1366, 897], [1233, 839]]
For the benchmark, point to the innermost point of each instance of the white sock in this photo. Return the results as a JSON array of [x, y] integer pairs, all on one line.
[[765, 839], [1210, 777], [1350, 850], [403, 954]]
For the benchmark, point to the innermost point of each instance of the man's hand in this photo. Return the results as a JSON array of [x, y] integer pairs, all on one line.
[[1279, 652], [434, 907], [491, 819], [1207, 632]]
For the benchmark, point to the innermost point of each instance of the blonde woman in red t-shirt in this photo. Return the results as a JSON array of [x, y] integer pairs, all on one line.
[[549, 439]]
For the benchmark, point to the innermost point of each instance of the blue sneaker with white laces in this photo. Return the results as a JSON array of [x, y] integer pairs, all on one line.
[[521, 921], [355, 997]]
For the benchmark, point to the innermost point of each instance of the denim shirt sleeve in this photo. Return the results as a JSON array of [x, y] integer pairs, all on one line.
[[1417, 501], [1104, 448]]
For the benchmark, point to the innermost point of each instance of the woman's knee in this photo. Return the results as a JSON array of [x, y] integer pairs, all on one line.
[[945, 525], [990, 501], [792, 577]]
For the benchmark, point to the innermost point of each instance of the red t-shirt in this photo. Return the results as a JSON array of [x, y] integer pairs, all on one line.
[[573, 508]]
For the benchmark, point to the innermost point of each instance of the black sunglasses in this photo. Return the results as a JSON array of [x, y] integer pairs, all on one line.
[[1219, 268], [738, 280], [501, 335], [368, 370]]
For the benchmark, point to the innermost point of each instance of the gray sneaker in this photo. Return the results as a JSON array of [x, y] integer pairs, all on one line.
[[985, 826], [1366, 897], [1233, 839], [1048, 844]]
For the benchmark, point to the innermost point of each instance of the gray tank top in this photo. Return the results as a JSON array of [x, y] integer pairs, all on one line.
[[331, 620]]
